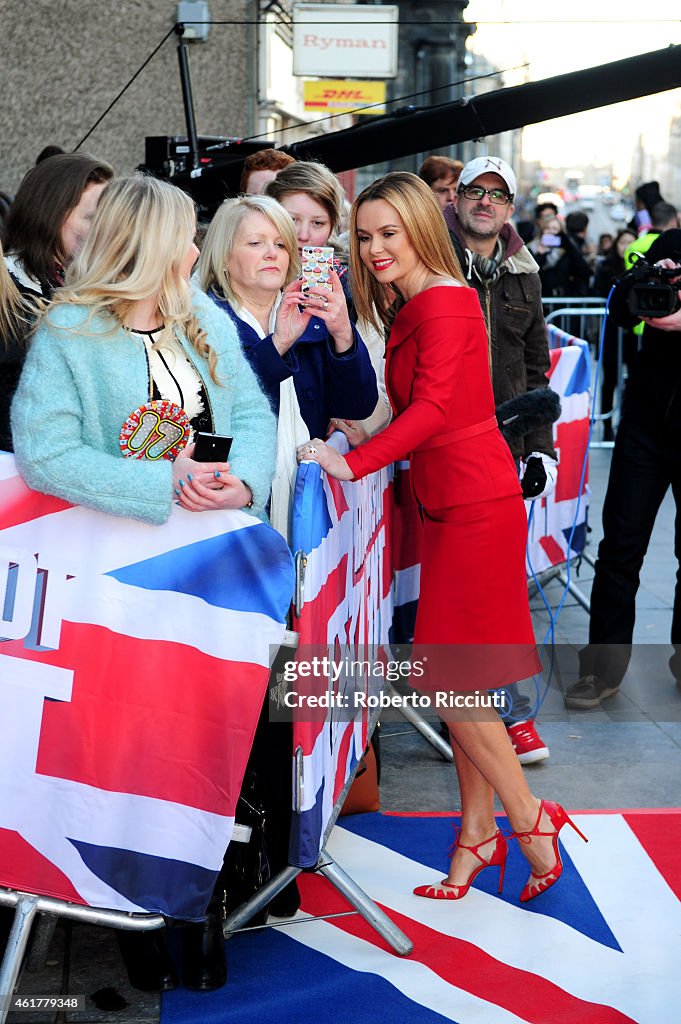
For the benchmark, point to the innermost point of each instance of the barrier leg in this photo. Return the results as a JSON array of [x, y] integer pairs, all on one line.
[[557, 572], [425, 728], [365, 906], [544, 577], [581, 597], [25, 911], [239, 917]]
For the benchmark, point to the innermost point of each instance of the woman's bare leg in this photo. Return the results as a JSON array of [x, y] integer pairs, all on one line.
[[477, 816], [486, 763]]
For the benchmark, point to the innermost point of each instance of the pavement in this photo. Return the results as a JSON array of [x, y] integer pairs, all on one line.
[[626, 755]]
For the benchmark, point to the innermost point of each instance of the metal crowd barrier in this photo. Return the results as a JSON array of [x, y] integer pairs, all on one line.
[[583, 316], [28, 906]]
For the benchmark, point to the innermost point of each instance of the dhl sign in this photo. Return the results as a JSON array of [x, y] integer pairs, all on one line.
[[342, 95]]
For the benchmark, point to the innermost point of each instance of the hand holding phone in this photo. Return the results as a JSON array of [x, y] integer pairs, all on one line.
[[317, 266], [211, 447]]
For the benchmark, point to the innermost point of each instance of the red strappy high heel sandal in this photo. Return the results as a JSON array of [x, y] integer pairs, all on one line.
[[446, 891], [537, 884]]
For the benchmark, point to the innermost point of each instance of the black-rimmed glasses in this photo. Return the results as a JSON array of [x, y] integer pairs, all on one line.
[[476, 192]]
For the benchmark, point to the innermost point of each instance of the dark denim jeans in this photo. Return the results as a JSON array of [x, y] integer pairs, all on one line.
[[518, 707]]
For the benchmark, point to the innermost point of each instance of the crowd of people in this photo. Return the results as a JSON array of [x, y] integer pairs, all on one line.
[[107, 303]]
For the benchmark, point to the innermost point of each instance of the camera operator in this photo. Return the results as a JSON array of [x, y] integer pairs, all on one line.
[[646, 462]]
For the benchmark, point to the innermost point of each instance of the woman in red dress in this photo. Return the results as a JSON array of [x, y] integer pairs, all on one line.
[[473, 605]]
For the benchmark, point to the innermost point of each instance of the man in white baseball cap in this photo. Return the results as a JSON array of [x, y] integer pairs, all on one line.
[[488, 165], [504, 274]]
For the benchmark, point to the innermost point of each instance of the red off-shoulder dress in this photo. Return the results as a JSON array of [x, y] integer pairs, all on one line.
[[473, 605]]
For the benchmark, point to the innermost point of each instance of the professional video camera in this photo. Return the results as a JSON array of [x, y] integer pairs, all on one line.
[[648, 289]]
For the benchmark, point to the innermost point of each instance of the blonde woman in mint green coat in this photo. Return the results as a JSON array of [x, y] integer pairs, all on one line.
[[127, 329]]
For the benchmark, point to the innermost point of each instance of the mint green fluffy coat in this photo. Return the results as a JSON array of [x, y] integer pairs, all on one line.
[[78, 386]]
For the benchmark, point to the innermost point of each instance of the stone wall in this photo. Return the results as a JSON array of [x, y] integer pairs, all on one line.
[[63, 63]]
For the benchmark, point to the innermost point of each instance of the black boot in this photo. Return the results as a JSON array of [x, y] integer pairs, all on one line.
[[6, 919], [149, 965], [204, 962], [287, 902], [245, 868]]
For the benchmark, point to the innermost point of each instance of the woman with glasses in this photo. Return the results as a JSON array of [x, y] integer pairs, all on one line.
[[473, 617]]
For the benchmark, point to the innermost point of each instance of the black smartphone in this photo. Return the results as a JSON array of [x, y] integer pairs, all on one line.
[[211, 447]]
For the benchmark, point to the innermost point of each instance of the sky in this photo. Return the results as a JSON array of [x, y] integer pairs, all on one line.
[[557, 37]]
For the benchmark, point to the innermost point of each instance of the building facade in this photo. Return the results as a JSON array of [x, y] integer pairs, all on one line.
[[63, 65]]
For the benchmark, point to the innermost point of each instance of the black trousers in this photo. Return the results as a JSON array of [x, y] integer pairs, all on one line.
[[609, 364], [645, 464]]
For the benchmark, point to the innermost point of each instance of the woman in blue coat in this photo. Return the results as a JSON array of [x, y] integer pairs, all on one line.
[[249, 256], [307, 354]]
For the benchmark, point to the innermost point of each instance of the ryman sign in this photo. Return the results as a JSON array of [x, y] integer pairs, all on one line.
[[344, 41]]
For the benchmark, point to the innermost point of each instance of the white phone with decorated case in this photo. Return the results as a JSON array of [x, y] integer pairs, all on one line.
[[317, 266]]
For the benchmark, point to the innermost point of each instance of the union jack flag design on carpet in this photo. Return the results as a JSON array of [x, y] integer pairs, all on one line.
[[600, 947], [132, 674], [344, 530], [558, 525]]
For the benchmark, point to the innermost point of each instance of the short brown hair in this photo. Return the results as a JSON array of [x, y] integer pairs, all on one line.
[[263, 160], [435, 167], [45, 197], [317, 181]]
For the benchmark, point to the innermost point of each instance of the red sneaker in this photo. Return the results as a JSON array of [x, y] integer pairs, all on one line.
[[527, 743]]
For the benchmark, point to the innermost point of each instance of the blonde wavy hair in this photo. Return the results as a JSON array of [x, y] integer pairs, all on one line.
[[424, 224], [219, 242], [17, 313], [134, 251]]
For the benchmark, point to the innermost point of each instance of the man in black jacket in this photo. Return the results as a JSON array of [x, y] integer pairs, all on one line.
[[646, 461], [501, 269]]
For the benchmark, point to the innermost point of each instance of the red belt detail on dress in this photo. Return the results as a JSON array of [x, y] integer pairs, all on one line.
[[459, 435]]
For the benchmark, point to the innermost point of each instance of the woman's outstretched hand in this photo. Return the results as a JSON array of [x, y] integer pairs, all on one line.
[[353, 430], [205, 486], [331, 461]]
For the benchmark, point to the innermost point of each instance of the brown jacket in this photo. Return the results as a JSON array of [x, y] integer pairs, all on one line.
[[511, 305]]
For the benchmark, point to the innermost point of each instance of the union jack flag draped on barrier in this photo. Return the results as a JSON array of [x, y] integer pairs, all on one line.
[[362, 542], [345, 530], [558, 527], [131, 680]]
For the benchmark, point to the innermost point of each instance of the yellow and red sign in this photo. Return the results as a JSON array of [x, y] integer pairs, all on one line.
[[342, 95]]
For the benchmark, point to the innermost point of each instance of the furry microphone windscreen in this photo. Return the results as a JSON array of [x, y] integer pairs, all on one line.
[[519, 415]]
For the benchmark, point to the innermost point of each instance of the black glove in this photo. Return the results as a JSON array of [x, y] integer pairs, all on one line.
[[534, 479]]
